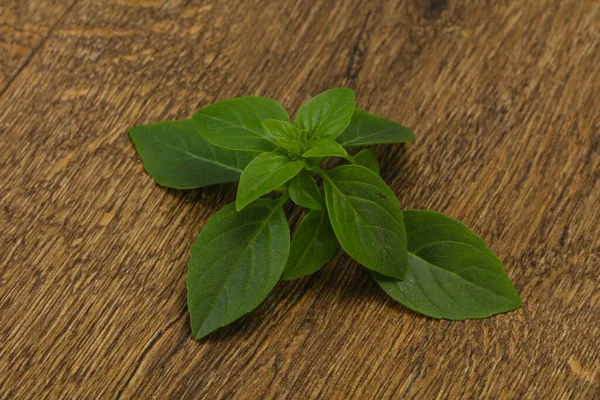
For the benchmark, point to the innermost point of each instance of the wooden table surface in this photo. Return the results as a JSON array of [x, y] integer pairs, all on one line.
[[504, 97]]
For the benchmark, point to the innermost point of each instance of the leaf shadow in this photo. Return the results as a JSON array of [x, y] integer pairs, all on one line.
[[393, 159], [355, 286], [284, 296], [357, 282], [215, 194]]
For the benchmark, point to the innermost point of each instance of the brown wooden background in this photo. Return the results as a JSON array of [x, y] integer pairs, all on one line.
[[504, 97]]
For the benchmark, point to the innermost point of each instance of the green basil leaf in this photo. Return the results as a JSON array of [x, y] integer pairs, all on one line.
[[293, 146], [313, 246], [304, 192], [235, 262], [177, 156], [237, 123], [365, 129], [264, 174], [367, 158], [366, 219], [324, 148], [326, 114], [282, 129], [303, 137], [286, 135], [452, 273]]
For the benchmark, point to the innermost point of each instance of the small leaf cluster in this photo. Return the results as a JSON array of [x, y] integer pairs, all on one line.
[[427, 261]]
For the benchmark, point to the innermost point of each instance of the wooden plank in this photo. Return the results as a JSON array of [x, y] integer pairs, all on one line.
[[503, 97], [24, 28]]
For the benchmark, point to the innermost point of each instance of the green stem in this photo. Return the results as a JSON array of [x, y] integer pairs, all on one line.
[[282, 199], [319, 171], [350, 159], [316, 169]]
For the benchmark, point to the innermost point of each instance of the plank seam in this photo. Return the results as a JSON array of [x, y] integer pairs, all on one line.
[[37, 48]]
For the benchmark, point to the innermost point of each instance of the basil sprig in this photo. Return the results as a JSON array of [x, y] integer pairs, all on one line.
[[426, 261]]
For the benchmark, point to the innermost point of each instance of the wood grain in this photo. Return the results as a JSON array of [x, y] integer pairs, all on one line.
[[504, 97]]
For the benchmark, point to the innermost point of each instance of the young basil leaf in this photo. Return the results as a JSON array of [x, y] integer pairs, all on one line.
[[326, 114], [235, 262], [313, 246], [237, 123], [366, 219], [452, 273], [303, 137], [282, 129], [324, 148], [177, 156], [367, 159], [264, 174], [287, 136], [304, 192], [291, 145], [365, 129]]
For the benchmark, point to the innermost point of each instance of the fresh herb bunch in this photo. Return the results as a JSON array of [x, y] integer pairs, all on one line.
[[427, 261]]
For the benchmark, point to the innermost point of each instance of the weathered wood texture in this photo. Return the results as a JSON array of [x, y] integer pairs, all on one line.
[[504, 97]]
